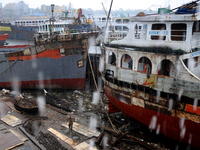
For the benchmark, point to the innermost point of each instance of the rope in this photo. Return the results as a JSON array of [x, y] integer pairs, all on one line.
[[8, 68], [189, 70], [99, 94]]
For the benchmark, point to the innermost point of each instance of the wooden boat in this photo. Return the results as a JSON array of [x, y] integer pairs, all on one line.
[[55, 101], [26, 104], [153, 74]]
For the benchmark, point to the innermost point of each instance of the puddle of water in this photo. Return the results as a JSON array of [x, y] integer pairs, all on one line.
[[4, 109]]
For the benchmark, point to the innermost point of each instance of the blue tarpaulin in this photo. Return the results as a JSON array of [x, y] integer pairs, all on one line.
[[185, 11]]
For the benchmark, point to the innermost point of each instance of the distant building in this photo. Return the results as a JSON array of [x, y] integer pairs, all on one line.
[[46, 9], [57, 9], [11, 6], [17, 8], [22, 7]]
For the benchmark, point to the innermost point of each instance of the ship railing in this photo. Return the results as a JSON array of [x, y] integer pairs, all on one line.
[[115, 36]]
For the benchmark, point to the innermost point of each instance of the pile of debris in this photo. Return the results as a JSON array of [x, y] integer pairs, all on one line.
[[50, 127]]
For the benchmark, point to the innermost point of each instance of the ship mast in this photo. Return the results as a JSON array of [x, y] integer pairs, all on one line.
[[52, 10], [108, 16]]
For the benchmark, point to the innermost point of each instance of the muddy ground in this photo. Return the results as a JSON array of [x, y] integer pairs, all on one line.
[[80, 106]]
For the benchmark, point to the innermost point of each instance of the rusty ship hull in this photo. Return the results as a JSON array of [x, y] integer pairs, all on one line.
[[58, 62], [149, 113], [163, 103], [153, 74]]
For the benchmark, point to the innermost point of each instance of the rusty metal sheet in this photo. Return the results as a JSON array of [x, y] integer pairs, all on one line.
[[33, 51], [189, 116], [40, 48], [138, 102], [168, 84], [8, 140]]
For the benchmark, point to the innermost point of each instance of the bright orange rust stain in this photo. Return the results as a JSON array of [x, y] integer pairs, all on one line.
[[192, 109]]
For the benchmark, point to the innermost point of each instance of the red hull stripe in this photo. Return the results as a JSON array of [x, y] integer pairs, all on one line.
[[77, 83], [50, 53]]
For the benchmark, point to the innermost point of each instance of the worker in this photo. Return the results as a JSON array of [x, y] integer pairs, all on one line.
[[147, 70], [70, 120]]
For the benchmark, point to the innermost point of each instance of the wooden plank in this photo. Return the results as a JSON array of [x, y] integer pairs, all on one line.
[[84, 146], [83, 130], [20, 136], [81, 146], [8, 140], [11, 120], [62, 137]]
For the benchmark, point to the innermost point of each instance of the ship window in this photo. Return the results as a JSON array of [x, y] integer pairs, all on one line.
[[103, 19], [126, 20], [196, 27], [166, 68], [144, 65], [178, 32], [140, 31], [158, 27], [158, 32], [118, 27], [196, 62], [118, 20], [112, 58], [110, 28], [126, 62], [125, 28]]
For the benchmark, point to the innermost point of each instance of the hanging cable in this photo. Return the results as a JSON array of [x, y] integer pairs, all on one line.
[[189, 70], [116, 131]]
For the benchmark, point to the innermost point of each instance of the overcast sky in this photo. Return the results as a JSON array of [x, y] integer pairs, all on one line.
[[96, 4]]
